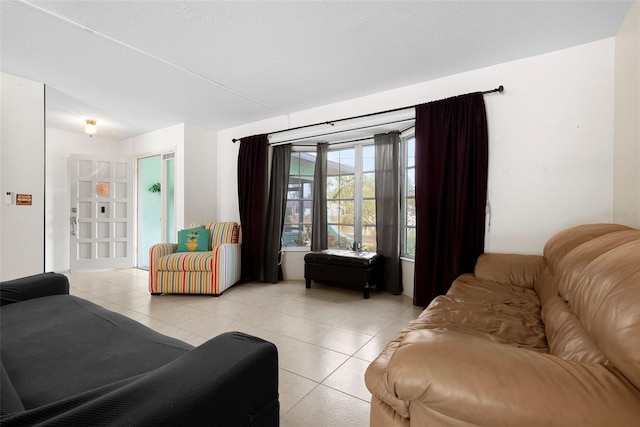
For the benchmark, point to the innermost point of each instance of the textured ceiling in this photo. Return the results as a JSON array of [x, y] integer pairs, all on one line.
[[138, 66]]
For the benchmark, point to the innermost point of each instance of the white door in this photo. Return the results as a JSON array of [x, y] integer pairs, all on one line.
[[101, 213]]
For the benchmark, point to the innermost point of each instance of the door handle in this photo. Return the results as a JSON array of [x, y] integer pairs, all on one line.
[[74, 222]]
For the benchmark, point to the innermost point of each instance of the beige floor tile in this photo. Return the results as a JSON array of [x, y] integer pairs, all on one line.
[[312, 362], [361, 323], [291, 326], [326, 407], [343, 341], [80, 293], [100, 289], [175, 332], [391, 330], [349, 378], [299, 309], [372, 349], [292, 388], [124, 296], [173, 314], [202, 324]]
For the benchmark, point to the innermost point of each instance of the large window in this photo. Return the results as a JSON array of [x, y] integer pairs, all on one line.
[[408, 211], [351, 209], [297, 220], [351, 203]]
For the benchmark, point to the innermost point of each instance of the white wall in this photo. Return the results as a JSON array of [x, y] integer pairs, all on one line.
[[22, 148], [60, 145], [199, 174], [550, 142], [626, 187]]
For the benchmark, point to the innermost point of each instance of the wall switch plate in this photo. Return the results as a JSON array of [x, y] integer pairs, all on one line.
[[8, 198]]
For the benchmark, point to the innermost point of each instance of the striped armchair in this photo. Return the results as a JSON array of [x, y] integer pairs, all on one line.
[[197, 272]]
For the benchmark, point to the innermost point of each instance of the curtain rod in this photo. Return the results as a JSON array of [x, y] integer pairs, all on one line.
[[335, 132], [333, 122]]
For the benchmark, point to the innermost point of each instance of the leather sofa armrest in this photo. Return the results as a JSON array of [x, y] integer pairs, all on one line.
[[36, 286], [450, 376], [230, 380], [510, 269]]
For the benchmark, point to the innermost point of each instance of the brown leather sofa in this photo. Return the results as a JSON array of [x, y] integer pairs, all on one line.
[[525, 340]]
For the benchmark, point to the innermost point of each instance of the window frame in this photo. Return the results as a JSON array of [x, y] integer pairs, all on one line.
[[358, 202], [301, 200], [404, 167]]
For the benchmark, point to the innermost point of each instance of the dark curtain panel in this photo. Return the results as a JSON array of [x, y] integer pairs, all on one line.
[[319, 221], [276, 207], [388, 208], [451, 182], [252, 190]]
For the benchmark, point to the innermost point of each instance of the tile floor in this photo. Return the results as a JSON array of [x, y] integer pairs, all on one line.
[[326, 336]]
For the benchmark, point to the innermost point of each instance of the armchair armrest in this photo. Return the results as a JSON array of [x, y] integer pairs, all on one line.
[[469, 379], [511, 269], [159, 250], [231, 380], [36, 286], [155, 253], [227, 259]]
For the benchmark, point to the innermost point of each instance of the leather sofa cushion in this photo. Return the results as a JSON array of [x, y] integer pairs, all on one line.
[[566, 336], [605, 296], [565, 241], [520, 270], [187, 261], [503, 313]]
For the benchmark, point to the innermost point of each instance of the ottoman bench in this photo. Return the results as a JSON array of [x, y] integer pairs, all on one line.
[[363, 269]]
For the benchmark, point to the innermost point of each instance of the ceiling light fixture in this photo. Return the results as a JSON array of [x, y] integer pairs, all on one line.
[[91, 128]]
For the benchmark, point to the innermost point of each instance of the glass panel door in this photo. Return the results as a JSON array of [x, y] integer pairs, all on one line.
[[156, 204], [149, 207], [168, 198]]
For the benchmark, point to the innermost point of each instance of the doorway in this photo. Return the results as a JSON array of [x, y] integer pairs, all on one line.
[[101, 213], [155, 203]]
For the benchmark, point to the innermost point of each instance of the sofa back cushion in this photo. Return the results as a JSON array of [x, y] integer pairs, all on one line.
[[221, 232], [606, 299], [565, 241], [596, 315], [513, 269]]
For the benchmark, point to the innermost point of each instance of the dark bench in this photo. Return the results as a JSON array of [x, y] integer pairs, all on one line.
[[363, 269]]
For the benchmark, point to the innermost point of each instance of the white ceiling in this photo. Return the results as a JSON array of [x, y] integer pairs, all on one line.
[[138, 66]]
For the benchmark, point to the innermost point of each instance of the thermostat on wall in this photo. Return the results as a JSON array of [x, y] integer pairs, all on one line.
[[8, 198]]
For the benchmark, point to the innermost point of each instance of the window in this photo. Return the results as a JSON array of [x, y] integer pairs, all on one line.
[[297, 220], [351, 208], [408, 194]]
